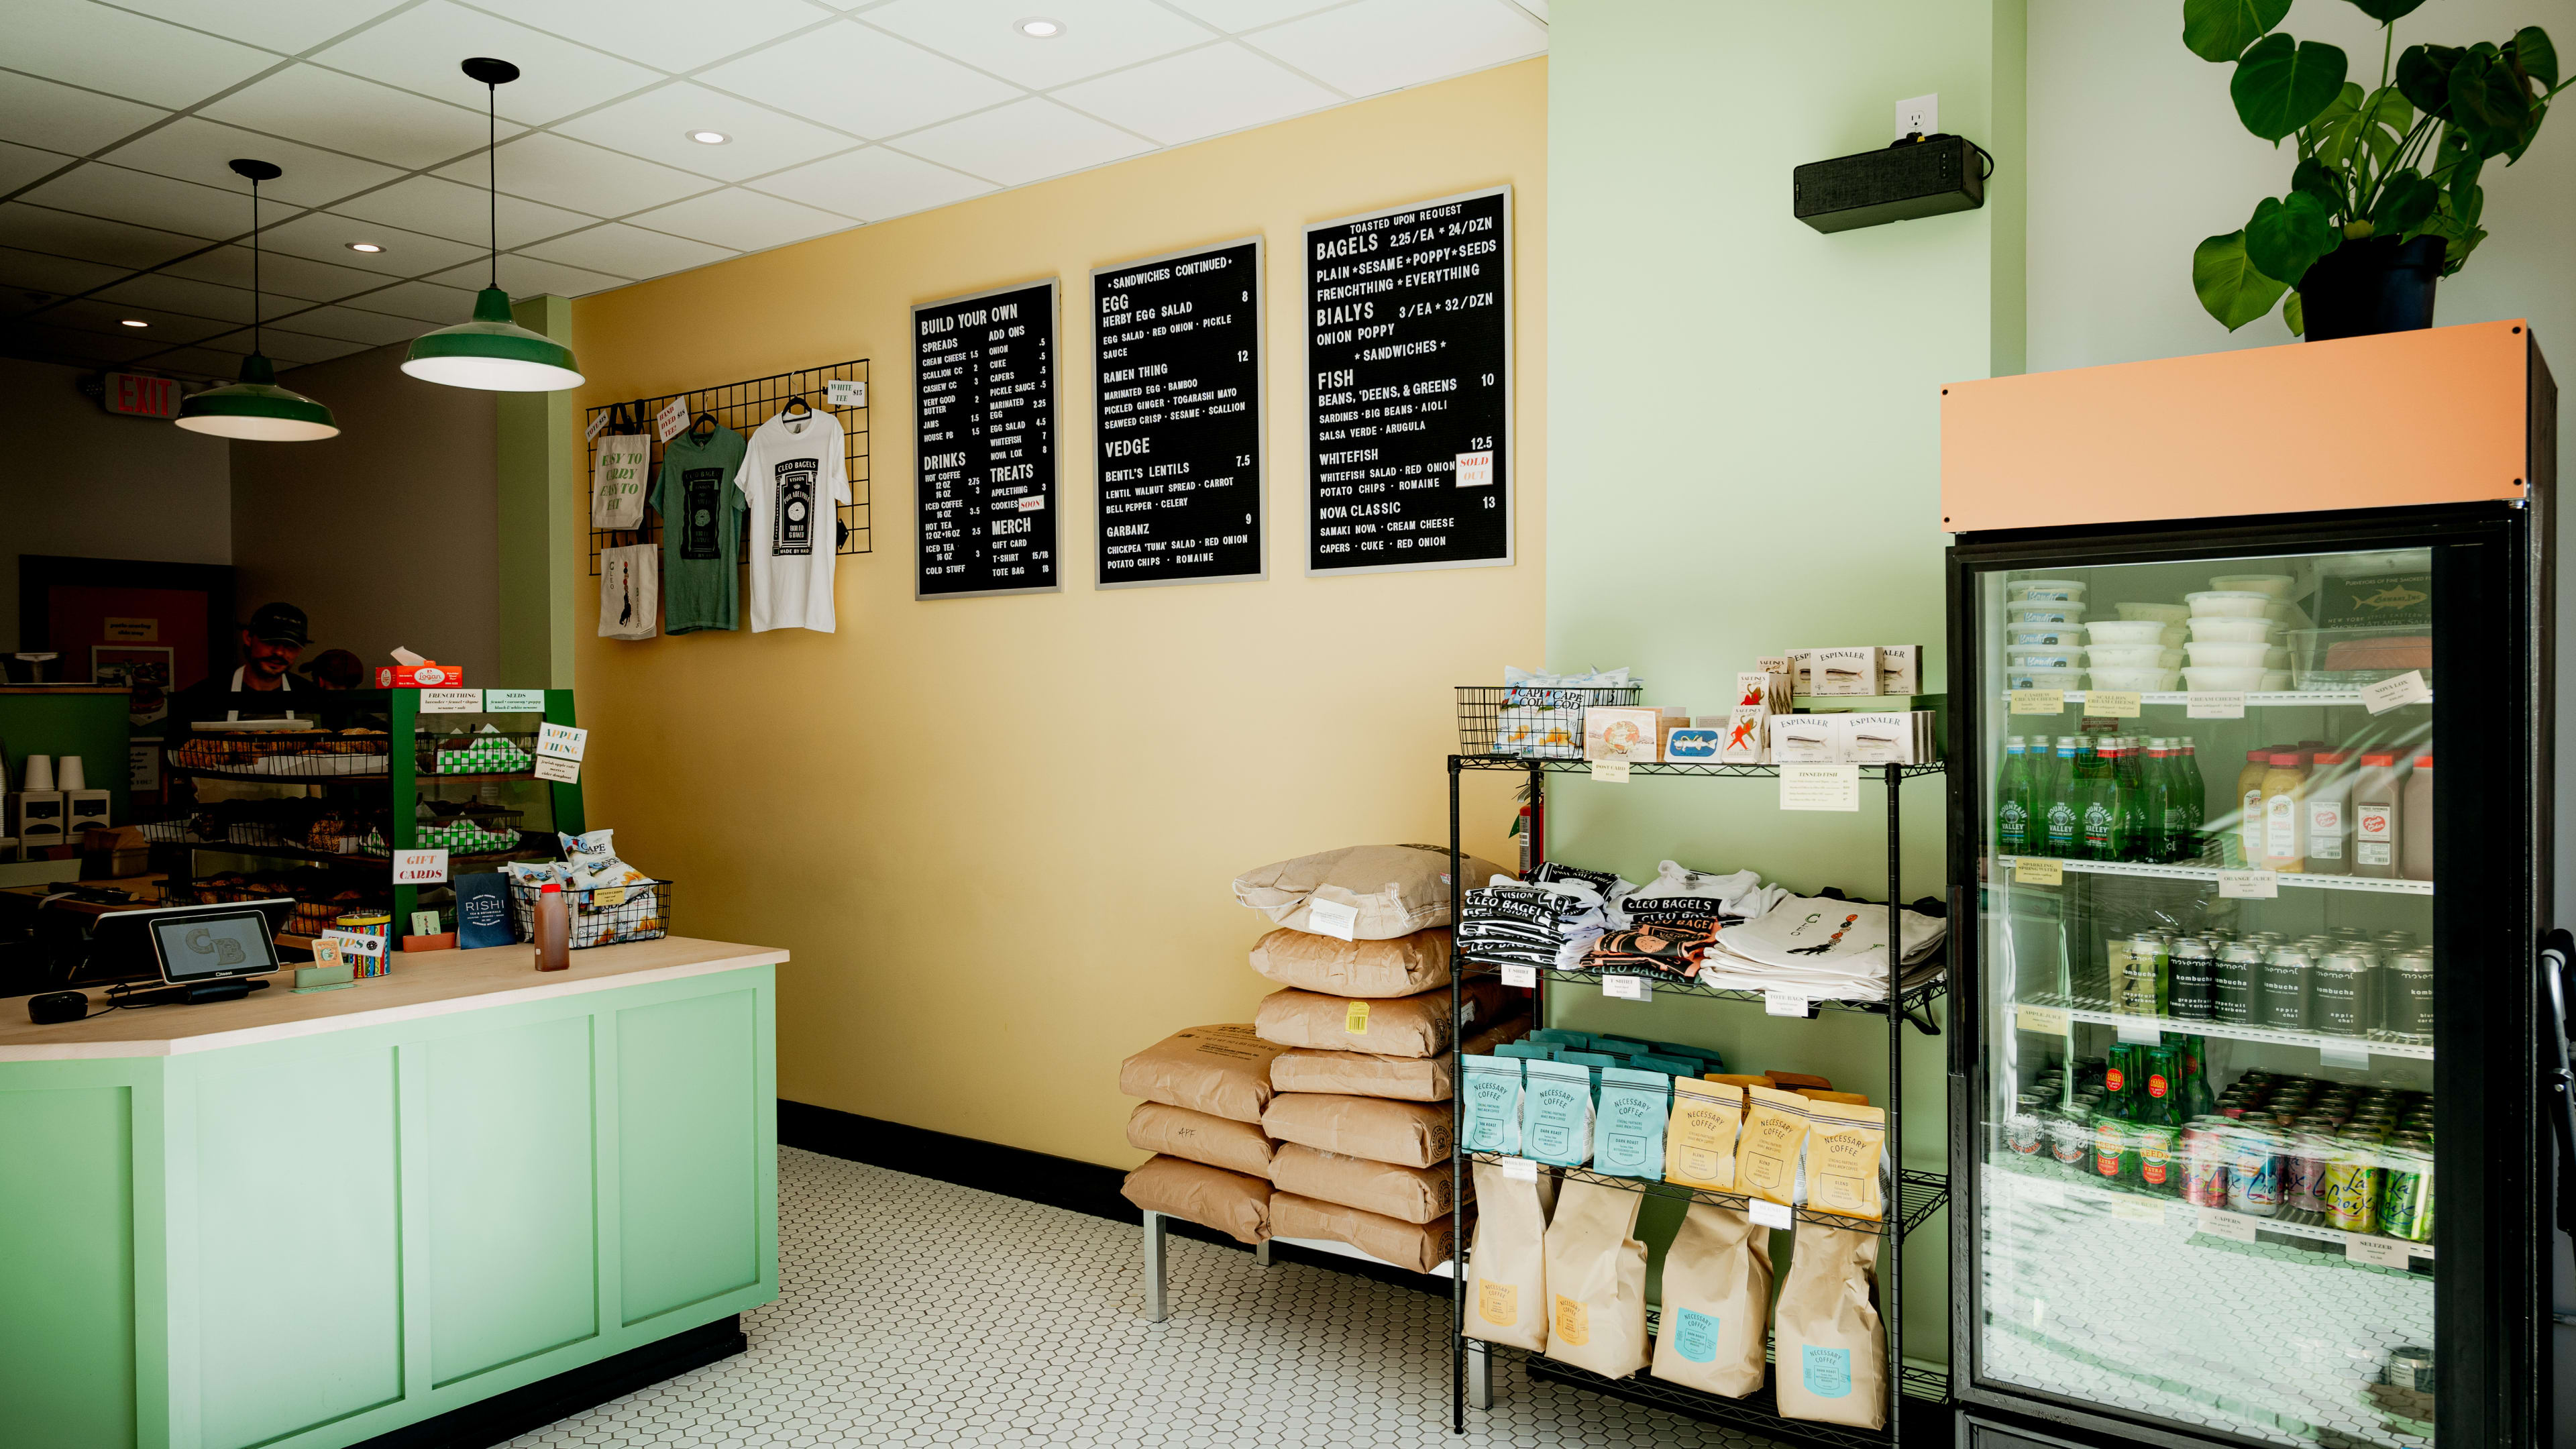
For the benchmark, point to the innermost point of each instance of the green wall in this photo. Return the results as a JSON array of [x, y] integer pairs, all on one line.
[[1743, 440], [544, 537]]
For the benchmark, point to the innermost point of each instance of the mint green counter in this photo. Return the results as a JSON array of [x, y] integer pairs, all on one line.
[[304, 1221]]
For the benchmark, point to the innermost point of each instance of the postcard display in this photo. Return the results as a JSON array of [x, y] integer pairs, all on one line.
[[1409, 401], [985, 460], [1177, 343]]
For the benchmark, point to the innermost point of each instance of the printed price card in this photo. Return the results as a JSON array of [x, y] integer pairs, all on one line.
[[2038, 870], [1613, 771], [2405, 689], [2046, 1020], [562, 741], [451, 701], [2215, 704], [1777, 1003], [1520, 1169], [420, 867], [607, 896], [562, 772], [1820, 787], [673, 417], [1767, 1213], [842, 392], [2039, 701], [1627, 988], [2137, 1209], [2140, 1031], [1332, 918], [598, 420], [2219, 1223], [2112, 703], [1520, 976], [2377, 1252], [2343, 1054], [514, 701], [2249, 885]]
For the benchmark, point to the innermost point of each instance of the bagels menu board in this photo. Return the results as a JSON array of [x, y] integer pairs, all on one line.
[[983, 371], [1178, 404], [1409, 387]]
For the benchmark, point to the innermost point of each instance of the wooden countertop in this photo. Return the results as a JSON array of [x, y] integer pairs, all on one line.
[[431, 983]]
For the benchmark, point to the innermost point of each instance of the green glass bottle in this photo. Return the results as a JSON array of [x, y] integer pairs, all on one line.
[[2012, 800], [2065, 813]]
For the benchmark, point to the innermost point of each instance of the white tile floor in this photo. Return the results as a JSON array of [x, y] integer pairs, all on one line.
[[917, 1313]]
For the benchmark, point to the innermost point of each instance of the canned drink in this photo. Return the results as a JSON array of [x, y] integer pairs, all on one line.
[[2158, 1150], [2141, 981], [2205, 1154], [2406, 1196], [2312, 1146], [2286, 973], [2406, 996], [2115, 1150], [2353, 1183], [2023, 1132], [2069, 1142], [2254, 1173], [2236, 977], [2411, 1368], [2337, 986], [2192, 981]]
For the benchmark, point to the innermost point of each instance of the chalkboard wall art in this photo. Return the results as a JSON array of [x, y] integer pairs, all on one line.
[[1409, 387], [1177, 364], [984, 455]]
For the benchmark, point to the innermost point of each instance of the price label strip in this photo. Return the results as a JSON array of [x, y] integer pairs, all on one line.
[[1520, 976], [2037, 870], [1520, 1169], [1613, 772], [1627, 988], [2113, 703], [2219, 1223], [2405, 689], [1767, 1213], [2249, 885], [1820, 787], [2039, 701]]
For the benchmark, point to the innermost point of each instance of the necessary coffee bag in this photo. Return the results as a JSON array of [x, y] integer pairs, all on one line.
[[1628, 1126], [1826, 1333], [1716, 1302], [1507, 1261], [1404, 966], [1844, 1145], [1361, 892], [1556, 1112], [1490, 1107], [1699, 1144], [1766, 1153], [1230, 1202], [1422, 1247], [1596, 1280], [1412, 1194], [1216, 1141], [1408, 1026], [1363, 1074], [1223, 1071], [1411, 1134]]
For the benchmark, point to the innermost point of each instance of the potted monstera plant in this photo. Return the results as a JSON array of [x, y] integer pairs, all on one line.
[[2385, 199]]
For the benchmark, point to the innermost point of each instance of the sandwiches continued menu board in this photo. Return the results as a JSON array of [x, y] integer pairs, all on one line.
[[983, 371], [1409, 387], [1177, 343]]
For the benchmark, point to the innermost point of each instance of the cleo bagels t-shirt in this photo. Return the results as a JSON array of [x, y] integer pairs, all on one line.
[[791, 480], [701, 530]]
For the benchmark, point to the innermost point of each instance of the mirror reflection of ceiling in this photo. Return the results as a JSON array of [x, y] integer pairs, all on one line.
[[644, 137]]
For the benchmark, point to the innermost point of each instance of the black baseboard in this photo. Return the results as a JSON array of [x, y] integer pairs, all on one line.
[[1064, 1182], [504, 1417]]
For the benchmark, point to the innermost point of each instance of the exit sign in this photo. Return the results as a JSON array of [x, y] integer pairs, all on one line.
[[144, 397]]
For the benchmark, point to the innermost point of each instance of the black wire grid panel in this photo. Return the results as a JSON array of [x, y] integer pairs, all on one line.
[[743, 407]]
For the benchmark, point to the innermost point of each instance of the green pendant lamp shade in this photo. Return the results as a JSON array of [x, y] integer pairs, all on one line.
[[256, 409], [492, 352]]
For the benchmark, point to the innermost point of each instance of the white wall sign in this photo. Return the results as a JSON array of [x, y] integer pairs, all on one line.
[[514, 701], [451, 701], [562, 741]]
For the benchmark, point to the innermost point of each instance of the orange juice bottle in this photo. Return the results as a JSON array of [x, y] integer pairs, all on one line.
[[2284, 790], [2245, 842]]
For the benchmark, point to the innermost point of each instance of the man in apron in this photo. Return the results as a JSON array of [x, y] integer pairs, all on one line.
[[271, 642]]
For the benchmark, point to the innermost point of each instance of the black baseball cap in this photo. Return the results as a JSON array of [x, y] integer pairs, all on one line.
[[278, 624]]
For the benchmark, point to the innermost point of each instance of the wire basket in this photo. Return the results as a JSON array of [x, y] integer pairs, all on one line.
[[602, 916], [284, 754], [1529, 721], [484, 752]]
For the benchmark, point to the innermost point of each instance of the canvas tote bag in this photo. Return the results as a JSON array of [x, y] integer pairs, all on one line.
[[629, 591], [617, 481]]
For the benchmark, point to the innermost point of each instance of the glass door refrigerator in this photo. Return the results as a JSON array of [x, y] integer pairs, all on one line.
[[2249, 1139]]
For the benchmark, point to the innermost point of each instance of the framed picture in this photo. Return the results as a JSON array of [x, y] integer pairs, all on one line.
[[144, 669]]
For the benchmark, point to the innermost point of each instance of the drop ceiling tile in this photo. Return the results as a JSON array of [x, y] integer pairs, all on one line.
[[167, 328], [280, 273], [460, 213], [37, 112], [1198, 93], [579, 175], [524, 277], [904, 86], [419, 50], [29, 339], [743, 220], [284, 347], [419, 302], [1098, 35], [343, 113], [873, 183], [656, 126], [202, 362], [198, 299], [192, 148], [98, 189], [323, 236], [1382, 45], [348, 324], [66, 234], [1023, 142], [627, 251], [1237, 16], [22, 164], [125, 54], [676, 35], [62, 276], [289, 27]]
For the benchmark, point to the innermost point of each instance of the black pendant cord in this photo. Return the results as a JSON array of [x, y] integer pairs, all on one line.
[[492, 169], [255, 308]]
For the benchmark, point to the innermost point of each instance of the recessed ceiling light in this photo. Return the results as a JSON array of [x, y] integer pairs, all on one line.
[[364, 247], [1041, 29], [709, 138], [135, 322]]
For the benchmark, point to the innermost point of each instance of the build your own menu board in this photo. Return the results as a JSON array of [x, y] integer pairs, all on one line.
[[1178, 404], [1409, 403], [983, 371]]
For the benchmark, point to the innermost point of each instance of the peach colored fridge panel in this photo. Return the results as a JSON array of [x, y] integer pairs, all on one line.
[[2436, 416]]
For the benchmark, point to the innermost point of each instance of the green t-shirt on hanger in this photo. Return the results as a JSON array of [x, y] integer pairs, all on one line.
[[701, 531]]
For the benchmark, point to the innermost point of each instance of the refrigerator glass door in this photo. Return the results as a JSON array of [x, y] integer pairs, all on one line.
[[2205, 1187]]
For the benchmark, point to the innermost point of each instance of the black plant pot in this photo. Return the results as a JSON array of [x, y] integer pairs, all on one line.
[[2363, 288]]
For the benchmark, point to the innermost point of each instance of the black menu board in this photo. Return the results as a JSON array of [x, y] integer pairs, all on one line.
[[1177, 353], [1409, 387], [983, 370]]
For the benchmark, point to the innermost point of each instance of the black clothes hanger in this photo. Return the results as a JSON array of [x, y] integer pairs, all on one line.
[[796, 405], [705, 421]]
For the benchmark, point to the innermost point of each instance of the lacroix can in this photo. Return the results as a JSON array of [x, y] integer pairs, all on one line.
[[2353, 1183], [2311, 1148], [2205, 1155], [2254, 1172], [2406, 1195]]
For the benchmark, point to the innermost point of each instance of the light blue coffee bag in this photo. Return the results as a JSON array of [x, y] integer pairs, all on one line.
[[1628, 1132], [1489, 1100], [1556, 1112]]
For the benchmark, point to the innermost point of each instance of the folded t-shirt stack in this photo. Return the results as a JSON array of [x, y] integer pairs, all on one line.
[[1205, 1090], [1823, 948], [1547, 921], [1666, 926]]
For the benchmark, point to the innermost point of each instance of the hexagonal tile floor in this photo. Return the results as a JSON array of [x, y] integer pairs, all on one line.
[[915, 1313]]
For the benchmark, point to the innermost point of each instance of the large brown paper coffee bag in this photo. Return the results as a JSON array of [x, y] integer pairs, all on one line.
[[1223, 1071], [1407, 1026], [1421, 1247], [1405, 966], [1230, 1202], [1413, 1194], [1507, 1263], [1216, 1141], [1717, 1302], [1366, 892], [1596, 1280], [1411, 1134], [1826, 1333], [1408, 1079]]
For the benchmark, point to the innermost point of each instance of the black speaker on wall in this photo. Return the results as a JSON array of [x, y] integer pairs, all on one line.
[[1913, 178]]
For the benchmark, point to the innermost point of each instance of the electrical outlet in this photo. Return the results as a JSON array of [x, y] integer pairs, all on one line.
[[1920, 114]]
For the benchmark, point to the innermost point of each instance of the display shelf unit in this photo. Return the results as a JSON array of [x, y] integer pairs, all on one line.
[[2052, 1185], [1910, 1000], [2267, 699], [2210, 874], [1918, 1194], [2075, 1009]]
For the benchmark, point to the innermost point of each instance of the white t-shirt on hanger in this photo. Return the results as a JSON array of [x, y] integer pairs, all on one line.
[[793, 477]]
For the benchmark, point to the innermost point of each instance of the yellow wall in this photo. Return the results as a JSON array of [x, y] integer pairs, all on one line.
[[997, 834]]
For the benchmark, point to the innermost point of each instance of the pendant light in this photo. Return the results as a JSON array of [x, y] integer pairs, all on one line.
[[492, 352], [256, 409]]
